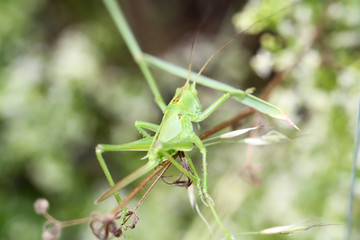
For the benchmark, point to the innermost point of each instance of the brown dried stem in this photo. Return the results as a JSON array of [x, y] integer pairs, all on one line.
[[140, 186], [165, 168]]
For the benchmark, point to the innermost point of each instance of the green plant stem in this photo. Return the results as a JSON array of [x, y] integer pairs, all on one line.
[[227, 234], [124, 29], [353, 180], [183, 73]]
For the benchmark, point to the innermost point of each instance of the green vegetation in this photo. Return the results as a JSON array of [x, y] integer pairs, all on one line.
[[68, 83]]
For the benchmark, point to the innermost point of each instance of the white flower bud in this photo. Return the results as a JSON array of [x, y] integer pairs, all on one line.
[[41, 205]]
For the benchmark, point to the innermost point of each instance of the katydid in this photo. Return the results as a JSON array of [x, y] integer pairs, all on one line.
[[173, 136], [175, 133]]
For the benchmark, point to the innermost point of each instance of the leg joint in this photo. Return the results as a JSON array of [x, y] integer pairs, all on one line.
[[98, 149]]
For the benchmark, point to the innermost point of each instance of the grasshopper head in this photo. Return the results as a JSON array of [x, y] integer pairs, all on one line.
[[186, 101]]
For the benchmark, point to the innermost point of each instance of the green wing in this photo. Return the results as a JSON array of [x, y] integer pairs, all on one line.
[[170, 127]]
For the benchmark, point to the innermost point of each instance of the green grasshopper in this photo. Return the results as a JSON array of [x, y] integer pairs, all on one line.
[[175, 133]]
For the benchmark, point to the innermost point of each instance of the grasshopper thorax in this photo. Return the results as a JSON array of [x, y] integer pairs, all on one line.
[[185, 101]]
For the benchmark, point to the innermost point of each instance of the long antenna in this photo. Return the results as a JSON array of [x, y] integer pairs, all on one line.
[[191, 57], [234, 37]]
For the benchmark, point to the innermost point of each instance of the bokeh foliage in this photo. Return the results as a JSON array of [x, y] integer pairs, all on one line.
[[68, 83]]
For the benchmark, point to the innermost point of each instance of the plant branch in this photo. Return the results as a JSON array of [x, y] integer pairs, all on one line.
[[139, 187], [135, 50]]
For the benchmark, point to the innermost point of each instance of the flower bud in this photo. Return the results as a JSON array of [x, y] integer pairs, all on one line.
[[41, 205], [51, 232]]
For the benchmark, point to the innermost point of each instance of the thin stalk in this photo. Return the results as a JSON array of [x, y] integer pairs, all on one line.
[[65, 223], [227, 234], [139, 187], [349, 213], [164, 169], [135, 50], [75, 222]]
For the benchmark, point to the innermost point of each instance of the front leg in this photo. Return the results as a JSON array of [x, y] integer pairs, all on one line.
[[141, 126], [202, 186], [211, 108]]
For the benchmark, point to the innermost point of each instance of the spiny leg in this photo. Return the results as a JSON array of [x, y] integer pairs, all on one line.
[[178, 165], [180, 182], [178, 146], [202, 186], [196, 140], [205, 197], [191, 164], [139, 145], [186, 145]]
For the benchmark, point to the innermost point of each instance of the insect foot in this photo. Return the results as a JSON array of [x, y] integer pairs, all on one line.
[[204, 195]]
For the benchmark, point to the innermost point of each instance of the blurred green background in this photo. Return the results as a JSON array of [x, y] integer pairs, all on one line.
[[68, 82]]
